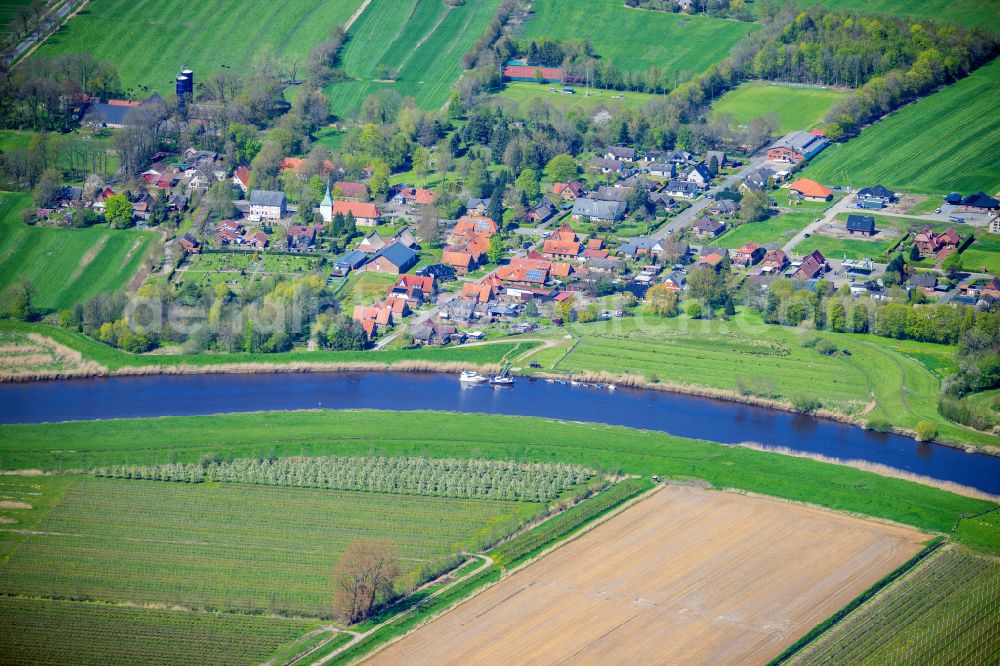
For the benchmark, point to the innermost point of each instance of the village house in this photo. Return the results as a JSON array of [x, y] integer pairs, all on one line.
[[541, 211], [978, 202], [720, 160], [473, 224], [229, 232], [680, 157], [415, 289], [485, 290], [413, 196], [876, 197], [393, 259], [365, 214], [300, 238], [190, 244], [758, 180], [620, 153], [813, 266], [706, 227], [257, 240], [241, 178], [724, 207], [713, 257], [433, 333], [995, 225], [607, 166], [748, 255], [371, 243], [925, 282], [775, 261], [602, 211], [477, 206], [700, 175], [350, 191], [375, 318], [350, 261], [568, 191], [796, 147], [662, 169], [682, 188], [116, 112], [810, 190], [524, 272], [564, 244], [860, 224], [467, 253], [406, 237], [267, 205], [607, 193], [304, 165], [929, 243]]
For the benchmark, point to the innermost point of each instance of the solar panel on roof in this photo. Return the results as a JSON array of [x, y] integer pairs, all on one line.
[[535, 274]]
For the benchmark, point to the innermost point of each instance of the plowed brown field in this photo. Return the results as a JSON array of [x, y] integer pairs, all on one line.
[[686, 576]]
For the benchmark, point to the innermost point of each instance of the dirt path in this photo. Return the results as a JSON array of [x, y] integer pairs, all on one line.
[[356, 15]]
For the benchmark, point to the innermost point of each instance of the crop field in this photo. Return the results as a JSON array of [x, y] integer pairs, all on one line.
[[946, 611], [678, 45], [235, 547], [523, 93], [688, 575], [421, 41], [29, 355], [65, 266], [149, 41], [66, 632], [949, 141], [983, 254], [796, 107], [777, 230], [971, 13]]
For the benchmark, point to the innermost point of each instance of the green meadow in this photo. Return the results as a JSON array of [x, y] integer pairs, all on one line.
[[524, 93], [421, 41], [971, 13], [777, 229], [150, 41], [65, 266], [796, 107], [948, 141], [637, 39]]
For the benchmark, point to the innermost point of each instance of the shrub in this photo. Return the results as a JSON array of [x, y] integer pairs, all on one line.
[[825, 347], [879, 425], [805, 404], [925, 431], [693, 309]]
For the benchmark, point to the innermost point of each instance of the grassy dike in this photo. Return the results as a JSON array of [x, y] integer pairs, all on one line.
[[115, 361], [84, 445]]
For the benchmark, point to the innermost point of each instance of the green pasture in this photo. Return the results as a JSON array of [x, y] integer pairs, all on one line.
[[637, 39], [149, 42], [65, 266], [948, 141], [440, 434], [524, 94], [796, 107], [422, 41], [778, 229], [8, 14], [237, 547], [970, 13], [983, 255], [35, 631]]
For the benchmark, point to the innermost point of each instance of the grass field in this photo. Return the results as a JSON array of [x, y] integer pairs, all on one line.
[[604, 597], [947, 610], [778, 229], [797, 108], [983, 254], [746, 356], [237, 547], [65, 266], [8, 13], [949, 141], [422, 41], [972, 13], [10, 139], [523, 93], [680, 46], [451, 435], [149, 41], [64, 632], [238, 269]]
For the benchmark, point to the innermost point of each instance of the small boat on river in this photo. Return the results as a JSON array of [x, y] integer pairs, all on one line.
[[471, 377]]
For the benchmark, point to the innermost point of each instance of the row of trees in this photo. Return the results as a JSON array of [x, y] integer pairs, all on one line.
[[482, 479]]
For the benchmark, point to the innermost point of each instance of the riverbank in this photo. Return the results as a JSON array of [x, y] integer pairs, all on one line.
[[86, 445]]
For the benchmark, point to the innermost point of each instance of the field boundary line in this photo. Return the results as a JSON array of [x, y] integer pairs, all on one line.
[[356, 15]]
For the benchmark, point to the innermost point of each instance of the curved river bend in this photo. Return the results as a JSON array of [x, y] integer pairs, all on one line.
[[686, 416]]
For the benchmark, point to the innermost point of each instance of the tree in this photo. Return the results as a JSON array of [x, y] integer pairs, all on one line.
[[364, 575], [18, 301], [495, 251], [380, 180], [914, 254], [661, 300], [495, 210], [118, 211], [952, 264], [531, 309], [925, 431], [48, 187], [477, 181], [527, 182], [561, 168], [754, 206], [564, 309], [693, 309]]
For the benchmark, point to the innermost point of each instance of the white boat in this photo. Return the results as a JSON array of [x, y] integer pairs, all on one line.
[[471, 377], [611, 387], [500, 380]]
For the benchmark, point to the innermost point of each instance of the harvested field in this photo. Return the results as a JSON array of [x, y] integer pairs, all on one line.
[[32, 356], [686, 576]]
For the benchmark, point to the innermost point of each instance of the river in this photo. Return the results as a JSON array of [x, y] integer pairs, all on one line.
[[686, 416]]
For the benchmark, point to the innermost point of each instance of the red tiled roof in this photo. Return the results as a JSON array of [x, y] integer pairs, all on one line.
[[596, 254], [349, 189], [357, 209], [810, 188], [561, 247]]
